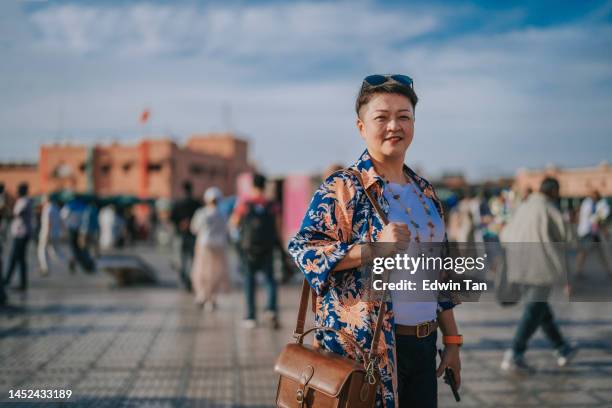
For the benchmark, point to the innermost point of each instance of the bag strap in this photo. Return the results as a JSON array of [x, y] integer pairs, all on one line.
[[301, 317]]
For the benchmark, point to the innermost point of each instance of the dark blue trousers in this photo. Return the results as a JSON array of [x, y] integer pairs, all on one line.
[[416, 371]]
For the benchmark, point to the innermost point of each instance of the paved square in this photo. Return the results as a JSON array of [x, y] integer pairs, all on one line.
[[151, 347]]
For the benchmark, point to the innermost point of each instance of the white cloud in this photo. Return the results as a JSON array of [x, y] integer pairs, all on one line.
[[520, 97], [232, 32]]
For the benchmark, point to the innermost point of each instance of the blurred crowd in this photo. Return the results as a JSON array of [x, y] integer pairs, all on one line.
[[72, 231], [538, 218]]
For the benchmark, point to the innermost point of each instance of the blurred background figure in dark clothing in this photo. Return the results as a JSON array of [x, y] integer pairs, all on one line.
[[258, 221], [181, 215], [3, 221], [21, 230]]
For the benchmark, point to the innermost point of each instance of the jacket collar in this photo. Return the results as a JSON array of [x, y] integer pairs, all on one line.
[[365, 167], [370, 176]]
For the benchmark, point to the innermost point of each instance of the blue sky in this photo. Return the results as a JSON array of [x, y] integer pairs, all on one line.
[[502, 85]]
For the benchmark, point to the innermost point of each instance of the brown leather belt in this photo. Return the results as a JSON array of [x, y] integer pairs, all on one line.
[[421, 330]]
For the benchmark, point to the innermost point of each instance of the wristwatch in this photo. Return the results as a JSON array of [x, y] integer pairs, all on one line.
[[458, 340]]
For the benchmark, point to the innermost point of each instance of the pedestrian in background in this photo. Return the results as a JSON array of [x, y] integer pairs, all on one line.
[[109, 227], [258, 222], [592, 232], [21, 229], [210, 273], [90, 228], [72, 215], [49, 235], [537, 220], [181, 215], [3, 221]]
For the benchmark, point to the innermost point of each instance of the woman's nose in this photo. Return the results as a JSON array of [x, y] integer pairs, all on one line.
[[393, 125]]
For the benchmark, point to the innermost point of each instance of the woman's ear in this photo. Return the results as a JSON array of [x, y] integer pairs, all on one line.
[[361, 127]]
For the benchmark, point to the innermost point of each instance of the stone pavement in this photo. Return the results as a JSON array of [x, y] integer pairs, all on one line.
[[151, 347]]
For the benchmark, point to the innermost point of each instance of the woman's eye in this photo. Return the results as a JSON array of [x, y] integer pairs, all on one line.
[[379, 118], [405, 118]]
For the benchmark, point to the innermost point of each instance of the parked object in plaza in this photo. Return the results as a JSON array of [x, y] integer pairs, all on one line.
[[210, 272], [128, 270]]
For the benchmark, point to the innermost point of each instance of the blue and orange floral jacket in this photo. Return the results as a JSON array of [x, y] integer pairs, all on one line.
[[339, 217]]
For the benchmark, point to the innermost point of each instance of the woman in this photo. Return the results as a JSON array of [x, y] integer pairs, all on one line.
[[209, 272], [49, 235], [340, 217]]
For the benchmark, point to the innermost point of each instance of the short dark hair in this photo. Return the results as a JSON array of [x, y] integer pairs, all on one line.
[[259, 181], [368, 91], [187, 187], [549, 186], [22, 189]]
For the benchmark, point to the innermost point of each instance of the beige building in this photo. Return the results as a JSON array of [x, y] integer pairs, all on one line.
[[573, 182]]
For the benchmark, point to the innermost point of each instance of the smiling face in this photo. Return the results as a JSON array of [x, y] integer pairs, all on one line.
[[386, 123]]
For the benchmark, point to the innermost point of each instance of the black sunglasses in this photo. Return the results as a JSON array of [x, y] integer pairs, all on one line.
[[377, 79]]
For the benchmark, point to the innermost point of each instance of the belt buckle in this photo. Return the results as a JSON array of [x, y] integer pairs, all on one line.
[[418, 330]]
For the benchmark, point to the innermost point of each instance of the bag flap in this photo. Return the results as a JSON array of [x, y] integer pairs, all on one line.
[[330, 371]]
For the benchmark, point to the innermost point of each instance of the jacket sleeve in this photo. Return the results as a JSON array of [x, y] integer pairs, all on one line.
[[325, 235]]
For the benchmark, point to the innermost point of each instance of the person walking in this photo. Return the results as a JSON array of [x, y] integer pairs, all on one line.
[[181, 215], [210, 273], [109, 227], [90, 229], [592, 232], [4, 211], [21, 229], [328, 250], [258, 222], [536, 221], [49, 235], [72, 215]]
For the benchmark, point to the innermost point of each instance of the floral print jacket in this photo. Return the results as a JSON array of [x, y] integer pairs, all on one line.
[[340, 216]]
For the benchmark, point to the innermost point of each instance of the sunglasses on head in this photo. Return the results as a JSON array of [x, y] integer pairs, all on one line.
[[375, 80]]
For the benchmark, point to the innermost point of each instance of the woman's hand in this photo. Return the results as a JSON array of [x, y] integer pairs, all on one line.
[[397, 233], [451, 359]]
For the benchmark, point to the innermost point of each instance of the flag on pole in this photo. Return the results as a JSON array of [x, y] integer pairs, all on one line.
[[144, 116]]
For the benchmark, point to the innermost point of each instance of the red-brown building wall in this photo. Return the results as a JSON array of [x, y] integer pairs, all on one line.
[[11, 175], [149, 168]]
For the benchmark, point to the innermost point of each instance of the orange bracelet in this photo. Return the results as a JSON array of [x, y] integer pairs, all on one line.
[[458, 340]]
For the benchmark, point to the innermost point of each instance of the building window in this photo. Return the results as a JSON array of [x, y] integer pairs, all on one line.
[[197, 169], [105, 169], [82, 167], [127, 166], [154, 167]]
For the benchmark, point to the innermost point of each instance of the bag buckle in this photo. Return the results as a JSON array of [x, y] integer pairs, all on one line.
[[419, 333]]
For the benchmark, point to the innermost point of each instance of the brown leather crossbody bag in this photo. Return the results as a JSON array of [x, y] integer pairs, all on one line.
[[316, 378]]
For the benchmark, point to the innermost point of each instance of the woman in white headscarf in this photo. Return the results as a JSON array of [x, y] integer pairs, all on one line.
[[210, 273]]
